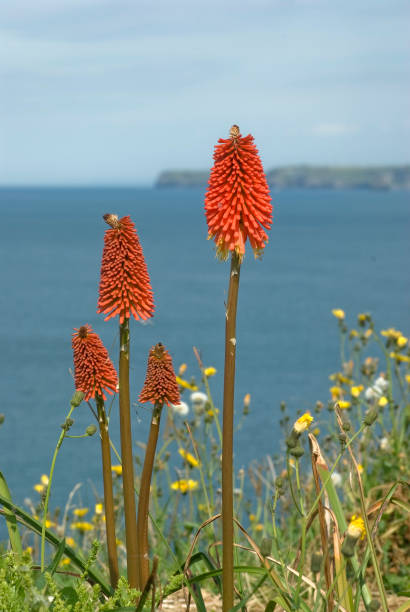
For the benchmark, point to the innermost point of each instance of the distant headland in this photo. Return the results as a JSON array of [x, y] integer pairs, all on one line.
[[307, 177]]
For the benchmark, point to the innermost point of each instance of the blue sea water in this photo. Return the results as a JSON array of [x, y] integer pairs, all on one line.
[[327, 249]]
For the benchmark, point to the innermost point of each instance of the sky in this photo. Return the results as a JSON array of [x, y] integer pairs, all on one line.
[[114, 91]]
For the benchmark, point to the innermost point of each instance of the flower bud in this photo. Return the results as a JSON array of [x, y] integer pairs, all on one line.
[[346, 426], [292, 439], [316, 562], [266, 547], [279, 482], [77, 398], [370, 417], [91, 429], [2, 417], [374, 605], [297, 451], [348, 546], [68, 423]]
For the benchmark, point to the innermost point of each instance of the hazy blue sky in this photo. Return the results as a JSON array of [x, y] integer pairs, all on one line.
[[113, 91]]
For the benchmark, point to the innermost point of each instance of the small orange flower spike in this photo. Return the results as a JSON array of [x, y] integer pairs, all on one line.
[[125, 286], [94, 372], [160, 381], [237, 202]]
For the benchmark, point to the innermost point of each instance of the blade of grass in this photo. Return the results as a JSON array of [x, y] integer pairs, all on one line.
[[11, 522], [57, 557]]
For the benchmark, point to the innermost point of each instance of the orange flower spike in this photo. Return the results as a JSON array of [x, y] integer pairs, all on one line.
[[237, 202], [94, 372], [160, 381], [125, 287]]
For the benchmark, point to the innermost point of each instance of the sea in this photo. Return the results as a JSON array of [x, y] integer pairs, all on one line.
[[327, 249]]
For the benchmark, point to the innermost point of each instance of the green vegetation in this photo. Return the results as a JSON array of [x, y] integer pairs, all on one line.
[[322, 525], [307, 177]]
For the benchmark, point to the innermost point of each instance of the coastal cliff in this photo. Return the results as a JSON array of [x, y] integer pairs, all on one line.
[[307, 177]]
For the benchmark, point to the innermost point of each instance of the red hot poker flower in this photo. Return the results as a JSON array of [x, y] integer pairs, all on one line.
[[160, 381], [125, 286], [94, 372], [237, 202]]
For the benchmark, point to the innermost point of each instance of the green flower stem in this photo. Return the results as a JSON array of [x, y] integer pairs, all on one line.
[[299, 490], [108, 493], [143, 500], [127, 460], [227, 439], [50, 479]]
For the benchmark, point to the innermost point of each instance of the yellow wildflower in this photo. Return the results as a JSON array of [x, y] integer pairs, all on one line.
[[185, 384], [353, 333], [338, 313], [356, 527], [252, 518], [188, 457], [210, 371], [65, 561], [360, 468], [82, 526], [184, 485], [259, 527], [247, 400], [343, 405], [400, 358], [212, 412], [356, 390], [303, 423], [368, 333], [401, 341], [316, 431], [99, 509], [383, 401], [70, 542], [39, 488], [336, 392], [202, 507], [408, 379], [362, 318], [391, 333], [29, 549], [80, 512], [182, 369], [44, 479], [50, 524], [340, 378], [117, 469]]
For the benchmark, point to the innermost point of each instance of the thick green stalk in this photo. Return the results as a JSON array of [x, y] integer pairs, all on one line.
[[108, 494], [227, 436], [50, 478], [143, 499], [126, 455]]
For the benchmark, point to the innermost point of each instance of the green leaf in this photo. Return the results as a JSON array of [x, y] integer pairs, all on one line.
[[57, 557], [11, 521], [36, 526], [69, 594]]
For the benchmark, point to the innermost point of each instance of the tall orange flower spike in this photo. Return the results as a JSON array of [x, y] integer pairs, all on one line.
[[94, 372], [160, 381], [125, 286], [237, 202]]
